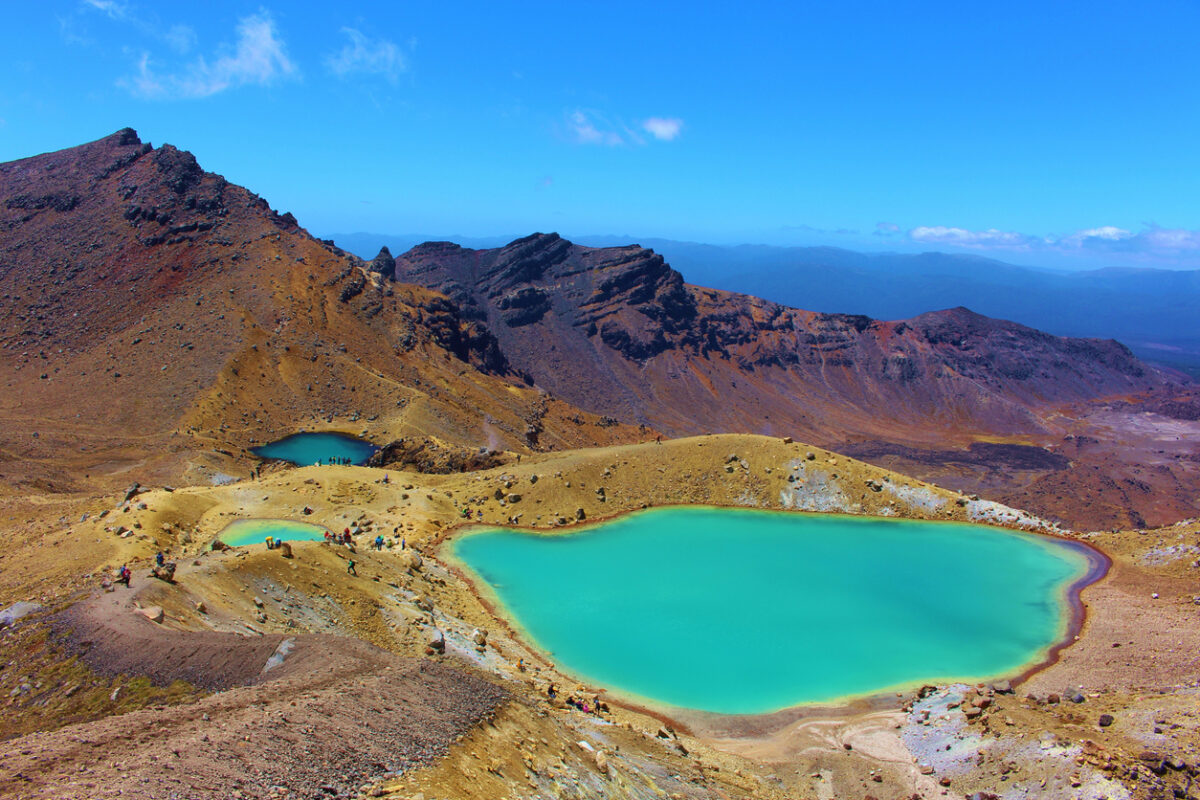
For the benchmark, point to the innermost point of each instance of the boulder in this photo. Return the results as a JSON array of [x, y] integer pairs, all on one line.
[[437, 641], [164, 573], [152, 613], [14, 612], [1106, 720]]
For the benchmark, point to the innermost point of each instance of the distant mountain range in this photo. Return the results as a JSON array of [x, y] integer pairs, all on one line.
[[1155, 312]]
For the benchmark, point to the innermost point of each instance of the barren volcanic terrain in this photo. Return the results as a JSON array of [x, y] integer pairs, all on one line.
[[157, 321], [618, 332]]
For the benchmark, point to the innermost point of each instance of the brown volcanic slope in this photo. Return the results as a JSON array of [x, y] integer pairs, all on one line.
[[152, 314], [617, 331]]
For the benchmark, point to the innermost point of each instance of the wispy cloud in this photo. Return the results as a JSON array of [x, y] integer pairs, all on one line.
[[666, 129], [365, 55], [586, 126], [960, 237], [180, 38], [258, 57], [802, 228], [886, 229], [112, 8], [1153, 241], [589, 127]]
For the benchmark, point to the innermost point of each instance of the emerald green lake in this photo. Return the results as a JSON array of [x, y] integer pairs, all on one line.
[[745, 612], [255, 531]]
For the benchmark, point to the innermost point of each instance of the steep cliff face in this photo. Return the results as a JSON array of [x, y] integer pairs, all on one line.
[[617, 331]]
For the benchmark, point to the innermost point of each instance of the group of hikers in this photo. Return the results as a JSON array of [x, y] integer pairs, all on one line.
[[336, 461], [593, 706], [347, 538]]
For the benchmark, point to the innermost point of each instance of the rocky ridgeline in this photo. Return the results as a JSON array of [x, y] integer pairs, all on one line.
[[612, 329]]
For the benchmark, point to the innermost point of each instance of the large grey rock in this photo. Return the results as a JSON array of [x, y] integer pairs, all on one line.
[[14, 612]]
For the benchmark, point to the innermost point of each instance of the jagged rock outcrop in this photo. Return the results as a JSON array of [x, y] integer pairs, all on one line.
[[383, 263], [617, 331]]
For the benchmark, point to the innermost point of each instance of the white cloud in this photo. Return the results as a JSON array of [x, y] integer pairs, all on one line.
[[590, 128], [259, 57], [586, 126], [1109, 232], [112, 8], [181, 38], [665, 129], [960, 237], [365, 55], [1152, 242]]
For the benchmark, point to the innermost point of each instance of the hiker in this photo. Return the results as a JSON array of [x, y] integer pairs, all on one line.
[[270, 542], [328, 536], [350, 568], [159, 558], [403, 543], [124, 574], [379, 542]]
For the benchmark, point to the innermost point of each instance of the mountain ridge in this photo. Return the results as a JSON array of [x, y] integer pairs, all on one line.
[[628, 301], [171, 319]]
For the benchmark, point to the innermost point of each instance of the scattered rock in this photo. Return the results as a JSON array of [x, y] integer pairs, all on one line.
[[152, 613], [1106, 720]]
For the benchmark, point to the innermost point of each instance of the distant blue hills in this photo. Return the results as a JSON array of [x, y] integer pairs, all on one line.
[[1153, 311]]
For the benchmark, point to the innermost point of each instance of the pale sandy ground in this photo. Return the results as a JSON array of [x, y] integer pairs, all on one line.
[[532, 749]]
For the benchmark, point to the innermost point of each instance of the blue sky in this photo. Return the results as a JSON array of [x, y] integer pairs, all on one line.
[[1064, 134]]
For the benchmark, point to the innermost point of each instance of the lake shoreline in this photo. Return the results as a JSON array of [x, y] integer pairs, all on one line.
[[740, 725]]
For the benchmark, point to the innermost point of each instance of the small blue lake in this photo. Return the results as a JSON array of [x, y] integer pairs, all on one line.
[[242, 532], [307, 449], [746, 612]]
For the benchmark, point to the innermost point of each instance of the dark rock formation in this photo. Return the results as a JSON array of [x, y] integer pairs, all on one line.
[[617, 331], [424, 454], [383, 263]]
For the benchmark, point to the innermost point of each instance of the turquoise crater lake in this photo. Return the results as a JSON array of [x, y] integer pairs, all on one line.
[[242, 532], [307, 449], [747, 612]]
